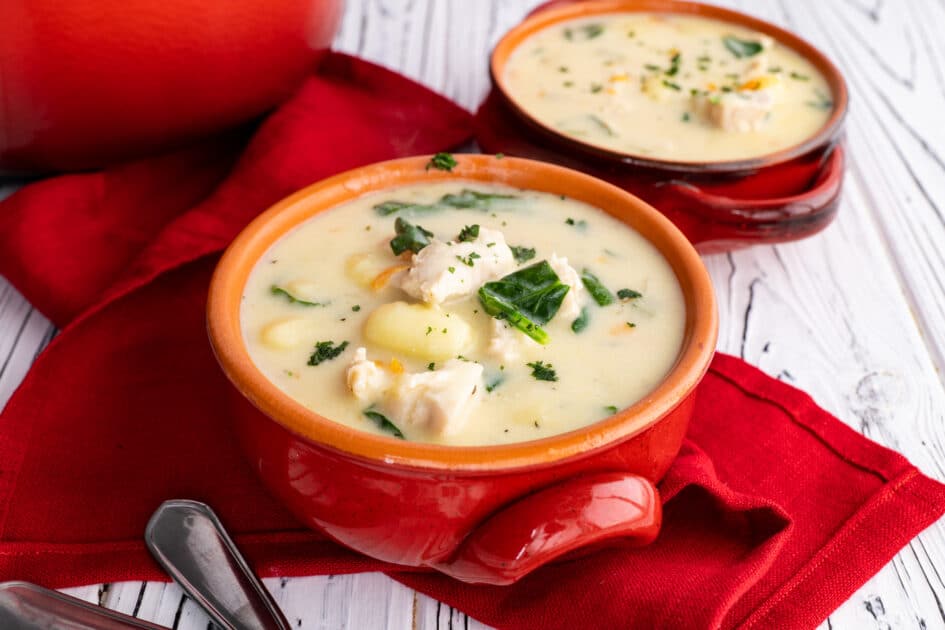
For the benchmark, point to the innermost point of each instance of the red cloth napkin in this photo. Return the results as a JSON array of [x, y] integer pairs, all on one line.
[[775, 511]]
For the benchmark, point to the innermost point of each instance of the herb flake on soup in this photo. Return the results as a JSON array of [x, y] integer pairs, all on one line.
[[667, 86], [464, 313]]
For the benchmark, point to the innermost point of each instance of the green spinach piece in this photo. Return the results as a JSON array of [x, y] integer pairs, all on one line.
[[596, 288], [467, 198], [582, 321], [527, 298], [628, 294], [383, 422], [277, 290], [742, 47], [409, 236]]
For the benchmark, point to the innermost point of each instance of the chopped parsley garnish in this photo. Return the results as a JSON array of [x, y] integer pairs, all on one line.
[[578, 224], [631, 325], [522, 254], [742, 47], [442, 162], [582, 321], [468, 233], [652, 67], [562, 69], [543, 371], [584, 32], [451, 269], [277, 290], [628, 294], [469, 261], [409, 236], [612, 409], [384, 423], [596, 87], [671, 85], [431, 366], [685, 117], [527, 299], [429, 329], [326, 351], [596, 288], [356, 308], [799, 77]]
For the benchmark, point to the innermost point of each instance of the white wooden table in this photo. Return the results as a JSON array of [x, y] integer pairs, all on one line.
[[855, 316]]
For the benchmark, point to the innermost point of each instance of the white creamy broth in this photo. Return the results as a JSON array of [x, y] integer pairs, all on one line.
[[669, 86], [333, 259]]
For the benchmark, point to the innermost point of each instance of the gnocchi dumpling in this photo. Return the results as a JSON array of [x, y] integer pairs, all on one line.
[[287, 333], [418, 330]]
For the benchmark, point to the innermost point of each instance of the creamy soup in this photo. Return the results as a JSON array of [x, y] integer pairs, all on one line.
[[463, 313], [667, 86]]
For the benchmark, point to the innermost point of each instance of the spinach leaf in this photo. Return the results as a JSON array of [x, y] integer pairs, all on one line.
[[522, 254], [628, 294], [392, 206], [582, 321], [326, 351], [409, 236], [527, 298], [494, 382], [467, 198], [383, 422], [742, 47], [596, 288], [277, 290]]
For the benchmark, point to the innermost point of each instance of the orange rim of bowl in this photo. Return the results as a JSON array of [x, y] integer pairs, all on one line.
[[545, 18], [232, 272]]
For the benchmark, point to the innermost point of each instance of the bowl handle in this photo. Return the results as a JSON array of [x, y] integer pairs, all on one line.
[[577, 513]]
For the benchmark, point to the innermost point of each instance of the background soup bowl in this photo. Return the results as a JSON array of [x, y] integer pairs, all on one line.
[[485, 514], [559, 11]]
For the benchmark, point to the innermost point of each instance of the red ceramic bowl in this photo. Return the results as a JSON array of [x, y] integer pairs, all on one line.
[[485, 514], [719, 205], [562, 10], [87, 82]]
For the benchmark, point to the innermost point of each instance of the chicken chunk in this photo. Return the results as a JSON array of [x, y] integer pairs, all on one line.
[[437, 402], [366, 379], [577, 296], [506, 342], [444, 271]]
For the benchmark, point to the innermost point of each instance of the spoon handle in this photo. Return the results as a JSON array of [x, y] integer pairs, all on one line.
[[189, 542], [25, 606]]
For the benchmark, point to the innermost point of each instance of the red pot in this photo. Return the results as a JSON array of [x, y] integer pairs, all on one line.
[[485, 514], [86, 82]]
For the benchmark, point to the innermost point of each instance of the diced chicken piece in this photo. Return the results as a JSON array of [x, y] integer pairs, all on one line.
[[507, 342], [577, 296], [437, 402], [744, 109], [443, 271], [366, 379]]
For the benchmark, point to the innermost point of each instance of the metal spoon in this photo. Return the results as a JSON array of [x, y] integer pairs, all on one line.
[[189, 542], [25, 606]]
